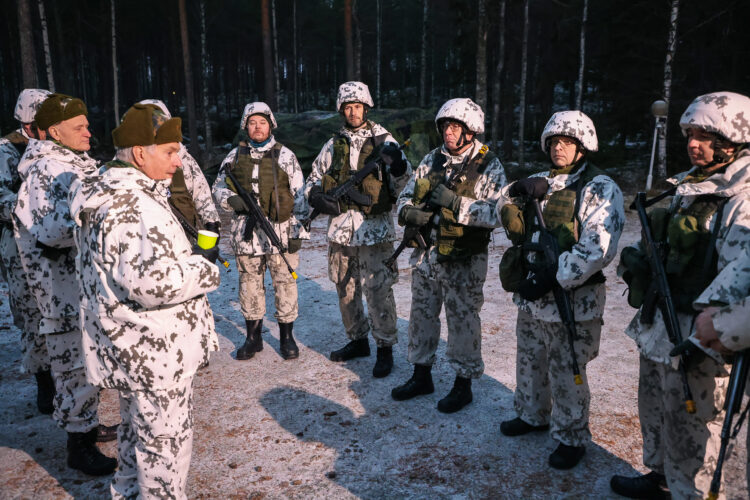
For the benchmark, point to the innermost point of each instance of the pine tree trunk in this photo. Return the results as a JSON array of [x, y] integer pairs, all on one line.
[[192, 122], [115, 86], [265, 19], [47, 55], [582, 57], [378, 19], [522, 99], [277, 87], [26, 42], [357, 41], [496, 87], [481, 84], [348, 41], [661, 170], [294, 55], [204, 86], [423, 69]]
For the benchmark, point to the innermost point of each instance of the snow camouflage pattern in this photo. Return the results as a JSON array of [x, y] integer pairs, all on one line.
[[146, 321], [546, 392], [723, 113], [28, 103], [602, 218], [291, 228], [355, 270], [154, 443], [198, 187], [253, 288], [573, 124], [463, 110], [9, 178], [353, 228], [458, 285], [257, 108], [353, 92]]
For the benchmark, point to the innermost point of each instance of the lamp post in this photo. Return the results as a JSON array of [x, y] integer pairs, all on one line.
[[659, 110]]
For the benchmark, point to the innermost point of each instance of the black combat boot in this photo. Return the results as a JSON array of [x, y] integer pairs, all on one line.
[[459, 396], [83, 455], [652, 486], [518, 427], [566, 457], [287, 345], [106, 433], [384, 364], [254, 342], [419, 383], [45, 392], [359, 348]]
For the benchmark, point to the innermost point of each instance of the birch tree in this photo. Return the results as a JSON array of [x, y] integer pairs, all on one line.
[[423, 69], [47, 55], [522, 90], [115, 86], [277, 86], [582, 57], [496, 86], [192, 122], [480, 92], [204, 86], [26, 42], [661, 170], [265, 23]]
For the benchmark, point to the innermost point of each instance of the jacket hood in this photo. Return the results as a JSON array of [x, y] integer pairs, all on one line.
[[49, 150], [733, 181]]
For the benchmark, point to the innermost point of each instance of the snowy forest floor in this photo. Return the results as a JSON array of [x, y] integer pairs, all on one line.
[[310, 428]]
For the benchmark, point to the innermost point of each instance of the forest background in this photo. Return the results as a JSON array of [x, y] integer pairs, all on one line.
[[521, 60]]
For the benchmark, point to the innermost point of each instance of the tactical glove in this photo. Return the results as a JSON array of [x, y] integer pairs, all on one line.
[[214, 227], [211, 255], [444, 197], [533, 187], [293, 245], [413, 216], [537, 285], [51, 253], [238, 204], [323, 203], [397, 165]]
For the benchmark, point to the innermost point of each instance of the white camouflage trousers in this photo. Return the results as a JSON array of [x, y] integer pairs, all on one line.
[[546, 392], [459, 285], [358, 269], [76, 400], [23, 307], [253, 289], [680, 445], [154, 443]]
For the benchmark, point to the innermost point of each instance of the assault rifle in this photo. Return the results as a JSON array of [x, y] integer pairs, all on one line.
[[257, 217], [655, 253], [349, 188], [551, 251], [732, 404], [193, 233], [411, 233]]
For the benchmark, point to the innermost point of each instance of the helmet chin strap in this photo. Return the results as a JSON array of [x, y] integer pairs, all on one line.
[[720, 156], [461, 141]]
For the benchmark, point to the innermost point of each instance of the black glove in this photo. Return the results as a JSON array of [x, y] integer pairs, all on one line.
[[415, 217], [214, 227], [397, 166], [293, 245], [537, 285], [51, 253], [444, 197], [238, 204], [533, 187], [211, 255], [323, 203]]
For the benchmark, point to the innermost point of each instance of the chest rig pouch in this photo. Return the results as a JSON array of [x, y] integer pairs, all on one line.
[[181, 200], [274, 194]]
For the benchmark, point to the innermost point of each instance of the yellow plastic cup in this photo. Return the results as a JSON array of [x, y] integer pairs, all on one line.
[[207, 239]]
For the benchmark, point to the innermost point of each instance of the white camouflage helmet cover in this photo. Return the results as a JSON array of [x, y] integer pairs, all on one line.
[[575, 124], [353, 92], [28, 103], [723, 113], [159, 104], [462, 110], [257, 108]]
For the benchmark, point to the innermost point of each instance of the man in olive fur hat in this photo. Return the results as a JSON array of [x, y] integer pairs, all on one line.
[[147, 325]]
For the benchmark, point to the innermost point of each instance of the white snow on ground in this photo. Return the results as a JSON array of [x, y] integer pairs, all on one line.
[[310, 428]]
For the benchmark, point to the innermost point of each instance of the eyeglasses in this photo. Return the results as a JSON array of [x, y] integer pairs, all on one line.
[[564, 141], [453, 126]]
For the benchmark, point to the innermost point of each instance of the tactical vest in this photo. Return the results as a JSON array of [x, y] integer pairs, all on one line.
[[455, 241], [372, 185], [274, 193], [181, 200]]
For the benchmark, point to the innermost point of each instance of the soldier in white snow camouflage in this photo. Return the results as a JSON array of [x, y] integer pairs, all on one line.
[[707, 228], [269, 170], [44, 232], [361, 237], [583, 209], [147, 325], [26, 315], [452, 197]]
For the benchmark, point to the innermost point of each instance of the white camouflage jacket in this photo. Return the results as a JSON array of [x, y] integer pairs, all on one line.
[[481, 212], [9, 178], [292, 228], [42, 214], [198, 188], [732, 242], [353, 228], [601, 219], [145, 318]]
